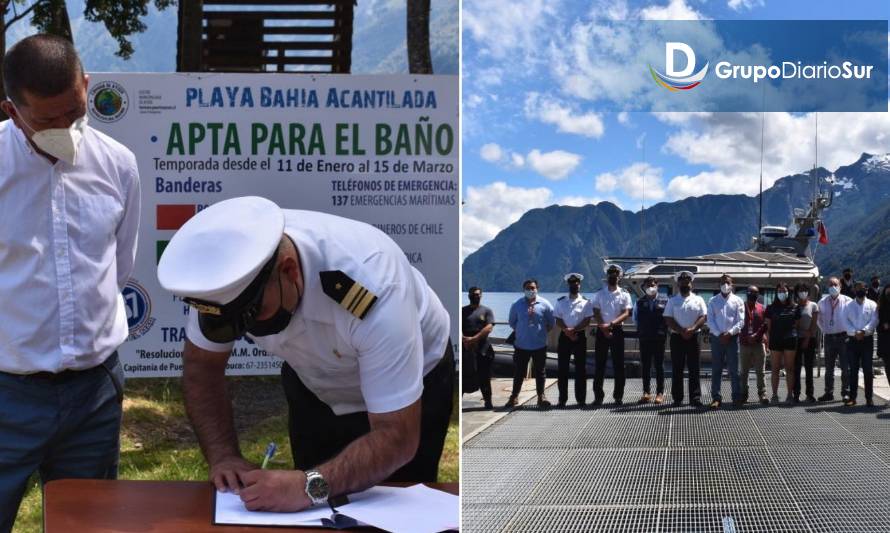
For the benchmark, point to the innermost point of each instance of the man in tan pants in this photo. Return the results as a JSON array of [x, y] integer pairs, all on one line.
[[751, 341]]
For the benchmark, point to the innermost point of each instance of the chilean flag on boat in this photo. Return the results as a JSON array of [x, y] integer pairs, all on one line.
[[823, 233]]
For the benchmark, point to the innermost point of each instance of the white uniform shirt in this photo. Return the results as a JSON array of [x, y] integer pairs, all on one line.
[[67, 247], [376, 364], [831, 314], [861, 317], [611, 304], [572, 312], [685, 311], [726, 315]]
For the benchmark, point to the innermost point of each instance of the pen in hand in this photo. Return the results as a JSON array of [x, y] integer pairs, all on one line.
[[270, 451]]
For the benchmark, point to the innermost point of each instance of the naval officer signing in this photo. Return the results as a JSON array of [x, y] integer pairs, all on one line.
[[368, 365]]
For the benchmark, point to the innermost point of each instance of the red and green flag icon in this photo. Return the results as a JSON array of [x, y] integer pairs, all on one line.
[[172, 217]]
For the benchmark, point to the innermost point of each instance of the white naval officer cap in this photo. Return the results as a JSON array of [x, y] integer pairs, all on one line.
[[682, 273], [219, 262], [571, 275]]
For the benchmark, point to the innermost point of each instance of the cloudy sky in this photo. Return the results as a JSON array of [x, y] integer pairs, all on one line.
[[535, 133]]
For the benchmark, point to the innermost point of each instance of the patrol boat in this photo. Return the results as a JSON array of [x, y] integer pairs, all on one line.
[[777, 254]]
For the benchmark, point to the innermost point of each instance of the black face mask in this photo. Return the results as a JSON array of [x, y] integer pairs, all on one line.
[[613, 280], [574, 288], [475, 299], [860, 293], [876, 284], [752, 298], [277, 322], [847, 277]]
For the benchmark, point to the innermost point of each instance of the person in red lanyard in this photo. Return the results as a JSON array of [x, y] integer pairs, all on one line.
[[751, 347], [831, 312]]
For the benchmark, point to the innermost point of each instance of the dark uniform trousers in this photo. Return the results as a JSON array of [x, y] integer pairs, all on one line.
[[860, 353], [567, 348], [804, 359], [483, 372], [317, 434], [603, 347], [520, 364], [652, 351], [685, 353]]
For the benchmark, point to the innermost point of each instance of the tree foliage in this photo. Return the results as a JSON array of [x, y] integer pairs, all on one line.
[[122, 18]]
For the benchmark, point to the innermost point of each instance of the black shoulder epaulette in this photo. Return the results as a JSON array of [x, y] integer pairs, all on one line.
[[561, 298], [350, 294]]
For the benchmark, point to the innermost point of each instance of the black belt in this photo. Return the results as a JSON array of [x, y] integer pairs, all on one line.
[[65, 375], [836, 334]]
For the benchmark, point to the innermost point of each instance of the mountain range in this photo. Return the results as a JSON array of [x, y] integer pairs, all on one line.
[[549, 242]]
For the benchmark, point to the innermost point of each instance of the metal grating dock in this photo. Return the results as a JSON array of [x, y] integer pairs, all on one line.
[[647, 468]]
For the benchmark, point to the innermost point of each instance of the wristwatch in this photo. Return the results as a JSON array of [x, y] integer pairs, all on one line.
[[317, 488]]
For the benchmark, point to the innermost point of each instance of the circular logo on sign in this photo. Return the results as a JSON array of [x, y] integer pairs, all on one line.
[[138, 307], [108, 101]]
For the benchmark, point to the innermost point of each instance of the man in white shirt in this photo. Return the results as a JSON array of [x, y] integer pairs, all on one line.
[[860, 320], [685, 314], [611, 307], [368, 366], [834, 338], [726, 315], [572, 315], [69, 216]]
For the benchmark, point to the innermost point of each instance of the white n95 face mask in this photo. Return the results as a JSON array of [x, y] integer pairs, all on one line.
[[61, 143]]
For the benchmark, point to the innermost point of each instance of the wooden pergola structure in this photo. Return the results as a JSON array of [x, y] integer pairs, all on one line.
[[265, 36]]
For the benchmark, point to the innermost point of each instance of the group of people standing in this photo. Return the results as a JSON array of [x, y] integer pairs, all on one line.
[[741, 332]]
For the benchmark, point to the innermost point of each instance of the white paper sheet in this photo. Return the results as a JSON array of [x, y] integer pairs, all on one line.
[[230, 510], [416, 509]]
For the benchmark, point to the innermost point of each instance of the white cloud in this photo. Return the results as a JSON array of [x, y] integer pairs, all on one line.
[[508, 29], [579, 201], [490, 208], [606, 182], [555, 165], [472, 101], [491, 152], [728, 146], [639, 181], [674, 10], [552, 111], [624, 118], [738, 5]]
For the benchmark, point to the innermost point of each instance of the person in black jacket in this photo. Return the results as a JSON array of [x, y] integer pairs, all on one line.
[[648, 315], [873, 292], [883, 329], [847, 283]]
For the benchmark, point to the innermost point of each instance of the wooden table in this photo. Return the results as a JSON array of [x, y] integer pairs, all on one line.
[[93, 506]]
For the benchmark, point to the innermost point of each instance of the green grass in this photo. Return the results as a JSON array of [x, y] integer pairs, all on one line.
[[157, 441]]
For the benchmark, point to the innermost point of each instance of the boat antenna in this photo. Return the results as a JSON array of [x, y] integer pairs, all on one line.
[[816, 185], [643, 194], [762, 126]]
